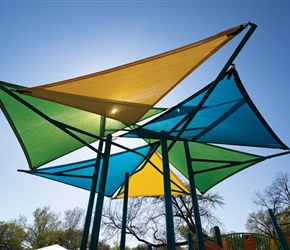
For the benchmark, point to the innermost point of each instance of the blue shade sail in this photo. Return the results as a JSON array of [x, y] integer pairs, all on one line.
[[228, 116], [80, 174]]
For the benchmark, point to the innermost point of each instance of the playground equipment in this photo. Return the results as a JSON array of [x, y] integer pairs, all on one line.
[[93, 107], [242, 241]]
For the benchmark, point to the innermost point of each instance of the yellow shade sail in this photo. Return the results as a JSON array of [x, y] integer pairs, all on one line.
[[127, 92], [148, 181]]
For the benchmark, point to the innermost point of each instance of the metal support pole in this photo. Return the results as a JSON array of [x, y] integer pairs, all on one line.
[[125, 209], [91, 201], [278, 230], [100, 198], [188, 118], [189, 239], [167, 195], [199, 234], [93, 188], [218, 237]]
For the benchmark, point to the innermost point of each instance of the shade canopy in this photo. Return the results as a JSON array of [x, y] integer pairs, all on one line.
[[41, 140], [211, 164], [53, 247], [127, 92], [148, 180], [67, 116], [80, 174], [74, 113], [228, 116]]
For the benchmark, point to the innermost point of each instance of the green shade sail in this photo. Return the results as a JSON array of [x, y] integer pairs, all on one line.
[[211, 164], [41, 140]]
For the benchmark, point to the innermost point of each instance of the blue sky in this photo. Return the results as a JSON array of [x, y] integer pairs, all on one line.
[[48, 41]]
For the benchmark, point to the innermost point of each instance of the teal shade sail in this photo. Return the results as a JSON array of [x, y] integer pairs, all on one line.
[[228, 116], [80, 174]]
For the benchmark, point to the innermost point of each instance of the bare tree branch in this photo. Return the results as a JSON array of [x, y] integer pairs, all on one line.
[[146, 218]]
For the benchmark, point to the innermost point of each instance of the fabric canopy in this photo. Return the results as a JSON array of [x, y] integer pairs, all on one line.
[[228, 116], [80, 174], [127, 92], [40, 139], [211, 164], [53, 247], [148, 181]]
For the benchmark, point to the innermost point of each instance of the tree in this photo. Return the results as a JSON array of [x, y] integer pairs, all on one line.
[[70, 235], [275, 197], [102, 245], [260, 222], [184, 211], [116, 246], [146, 218], [43, 231], [141, 247], [11, 235], [284, 220]]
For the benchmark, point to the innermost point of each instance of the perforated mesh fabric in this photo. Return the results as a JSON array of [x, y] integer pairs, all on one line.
[[80, 174], [211, 164], [148, 181], [228, 116], [42, 141], [127, 92]]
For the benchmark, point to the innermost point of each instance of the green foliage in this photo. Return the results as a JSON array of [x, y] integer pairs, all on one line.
[[284, 220], [42, 232], [183, 230], [11, 235], [116, 246], [103, 245], [70, 239], [260, 222], [141, 247], [47, 229], [70, 235]]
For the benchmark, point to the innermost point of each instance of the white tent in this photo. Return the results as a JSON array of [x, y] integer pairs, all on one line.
[[53, 247]]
